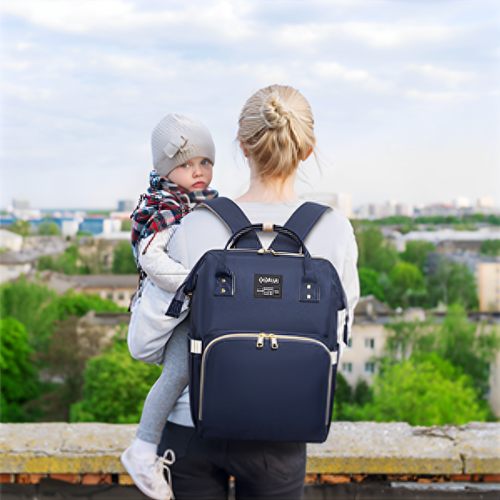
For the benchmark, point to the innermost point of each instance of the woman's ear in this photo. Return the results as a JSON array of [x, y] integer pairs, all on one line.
[[308, 154], [310, 151]]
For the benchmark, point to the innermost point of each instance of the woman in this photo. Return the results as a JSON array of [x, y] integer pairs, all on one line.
[[276, 133]]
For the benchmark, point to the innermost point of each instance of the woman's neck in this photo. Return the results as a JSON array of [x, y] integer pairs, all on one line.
[[269, 191]]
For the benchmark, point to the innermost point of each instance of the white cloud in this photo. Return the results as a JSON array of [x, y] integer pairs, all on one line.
[[382, 35], [193, 19], [25, 93], [134, 67], [441, 97], [303, 36], [22, 46], [76, 17], [215, 20], [450, 78], [377, 35], [335, 71], [16, 65]]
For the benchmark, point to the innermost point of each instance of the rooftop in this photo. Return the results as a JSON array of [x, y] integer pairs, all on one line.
[[63, 282], [52, 246]]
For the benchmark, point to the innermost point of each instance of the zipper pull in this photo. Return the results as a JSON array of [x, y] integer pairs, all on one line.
[[260, 341], [274, 341]]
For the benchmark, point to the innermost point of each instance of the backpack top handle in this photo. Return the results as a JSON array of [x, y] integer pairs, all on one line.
[[288, 233]]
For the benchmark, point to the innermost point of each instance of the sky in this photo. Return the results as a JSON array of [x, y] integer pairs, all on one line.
[[405, 94]]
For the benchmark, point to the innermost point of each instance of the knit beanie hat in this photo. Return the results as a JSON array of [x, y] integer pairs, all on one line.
[[178, 138]]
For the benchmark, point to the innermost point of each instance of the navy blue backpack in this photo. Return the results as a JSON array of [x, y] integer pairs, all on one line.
[[263, 332]]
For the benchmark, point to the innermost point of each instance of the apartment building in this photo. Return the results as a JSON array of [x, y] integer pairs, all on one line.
[[367, 340], [369, 333], [119, 288], [488, 280]]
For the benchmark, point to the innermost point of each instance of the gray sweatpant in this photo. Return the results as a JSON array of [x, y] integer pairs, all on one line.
[[167, 389]]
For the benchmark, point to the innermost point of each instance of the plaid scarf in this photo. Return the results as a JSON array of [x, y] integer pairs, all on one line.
[[163, 205]]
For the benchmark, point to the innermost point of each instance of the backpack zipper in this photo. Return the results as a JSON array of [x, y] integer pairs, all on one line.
[[274, 345]]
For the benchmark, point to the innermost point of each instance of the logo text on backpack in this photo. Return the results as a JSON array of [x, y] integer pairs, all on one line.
[[267, 286]]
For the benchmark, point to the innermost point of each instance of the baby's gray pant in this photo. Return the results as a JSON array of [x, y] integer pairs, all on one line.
[[167, 389]]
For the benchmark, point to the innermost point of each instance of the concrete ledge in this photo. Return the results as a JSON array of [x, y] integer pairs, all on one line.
[[63, 448], [370, 448], [351, 448], [479, 447]]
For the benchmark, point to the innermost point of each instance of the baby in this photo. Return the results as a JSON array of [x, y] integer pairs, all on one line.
[[183, 158]]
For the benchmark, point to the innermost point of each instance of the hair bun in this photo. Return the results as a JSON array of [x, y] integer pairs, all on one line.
[[274, 111]]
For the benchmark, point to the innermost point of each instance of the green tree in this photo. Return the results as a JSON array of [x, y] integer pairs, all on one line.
[[19, 380], [467, 346], [374, 252], [71, 346], [21, 227], [46, 263], [417, 253], [77, 304], [393, 220], [369, 281], [115, 387], [452, 282], [494, 219], [474, 218], [470, 347], [39, 308], [48, 228], [50, 327], [422, 390], [126, 225], [123, 259], [363, 393], [406, 283], [25, 302], [343, 397], [435, 219], [403, 337], [66, 263], [490, 247]]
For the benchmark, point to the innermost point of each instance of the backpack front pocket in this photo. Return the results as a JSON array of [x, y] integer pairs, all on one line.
[[272, 387]]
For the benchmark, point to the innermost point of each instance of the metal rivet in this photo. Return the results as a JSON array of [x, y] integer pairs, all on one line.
[[223, 291], [308, 296], [308, 287], [223, 281]]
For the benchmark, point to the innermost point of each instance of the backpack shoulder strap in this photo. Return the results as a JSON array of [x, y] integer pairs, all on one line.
[[234, 218], [300, 222]]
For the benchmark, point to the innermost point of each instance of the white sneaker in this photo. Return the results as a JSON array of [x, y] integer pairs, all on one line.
[[147, 472]]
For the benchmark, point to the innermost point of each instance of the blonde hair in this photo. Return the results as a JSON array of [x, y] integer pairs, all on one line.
[[276, 128]]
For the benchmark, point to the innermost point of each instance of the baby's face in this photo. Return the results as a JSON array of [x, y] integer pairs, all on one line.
[[193, 175]]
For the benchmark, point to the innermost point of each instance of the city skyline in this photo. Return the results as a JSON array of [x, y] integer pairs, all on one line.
[[342, 202], [457, 202], [405, 94]]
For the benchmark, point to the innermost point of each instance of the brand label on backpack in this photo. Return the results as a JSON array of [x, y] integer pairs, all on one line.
[[267, 286]]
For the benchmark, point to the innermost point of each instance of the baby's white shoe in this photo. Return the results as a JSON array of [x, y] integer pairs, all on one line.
[[146, 469]]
